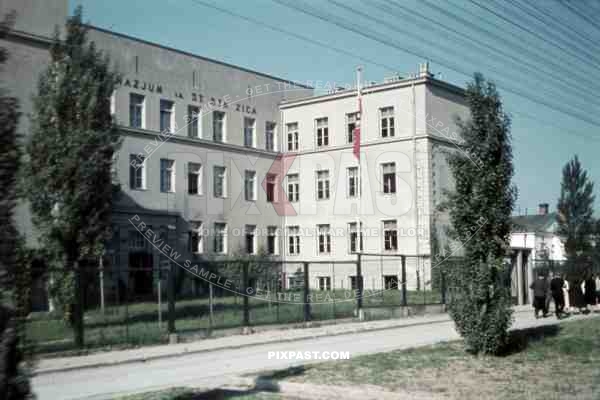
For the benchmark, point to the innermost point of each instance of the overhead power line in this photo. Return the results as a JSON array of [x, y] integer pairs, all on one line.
[[268, 26], [557, 24], [377, 37], [295, 35], [575, 11], [538, 54], [518, 64], [527, 30]]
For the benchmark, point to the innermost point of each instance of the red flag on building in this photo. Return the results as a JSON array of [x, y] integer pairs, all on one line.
[[356, 138]]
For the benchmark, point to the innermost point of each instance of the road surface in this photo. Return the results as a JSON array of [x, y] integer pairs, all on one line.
[[218, 367]]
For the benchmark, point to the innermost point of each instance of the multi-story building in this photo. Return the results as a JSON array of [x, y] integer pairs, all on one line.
[[407, 130], [199, 137], [200, 164]]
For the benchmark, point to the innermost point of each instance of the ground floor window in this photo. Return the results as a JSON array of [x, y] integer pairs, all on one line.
[[390, 282], [324, 283]]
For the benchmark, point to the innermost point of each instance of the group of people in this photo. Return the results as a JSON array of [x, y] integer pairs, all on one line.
[[578, 295]]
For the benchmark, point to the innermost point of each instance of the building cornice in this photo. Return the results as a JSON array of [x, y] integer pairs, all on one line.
[[379, 141], [197, 142], [30, 38], [286, 104]]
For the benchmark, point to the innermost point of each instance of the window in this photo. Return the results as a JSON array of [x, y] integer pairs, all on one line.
[[219, 126], [196, 239], [270, 135], [271, 185], [322, 185], [324, 283], [250, 233], [249, 127], [293, 240], [137, 172], [136, 240], [353, 182], [387, 121], [390, 282], [194, 178], [390, 235], [292, 136], [324, 236], [354, 235], [167, 175], [250, 185], [220, 181], [194, 122], [354, 282], [220, 238], [351, 120], [389, 177], [136, 110], [272, 240], [166, 116], [293, 187], [322, 132]]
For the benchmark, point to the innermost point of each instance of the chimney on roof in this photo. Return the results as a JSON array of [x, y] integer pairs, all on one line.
[[543, 209], [424, 70]]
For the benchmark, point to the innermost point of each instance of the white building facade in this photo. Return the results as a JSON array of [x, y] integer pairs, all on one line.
[[533, 238], [407, 131]]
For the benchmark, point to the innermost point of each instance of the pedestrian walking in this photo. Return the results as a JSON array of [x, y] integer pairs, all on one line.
[[566, 295], [540, 292], [598, 290], [590, 291], [577, 295], [556, 288]]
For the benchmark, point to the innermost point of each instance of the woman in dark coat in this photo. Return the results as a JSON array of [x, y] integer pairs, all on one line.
[[577, 299], [590, 290]]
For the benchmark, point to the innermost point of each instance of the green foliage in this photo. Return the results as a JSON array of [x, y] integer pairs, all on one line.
[[480, 209], [14, 381], [575, 222], [68, 179]]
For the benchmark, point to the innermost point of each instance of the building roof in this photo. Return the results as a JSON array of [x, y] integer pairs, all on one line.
[[186, 53], [533, 223]]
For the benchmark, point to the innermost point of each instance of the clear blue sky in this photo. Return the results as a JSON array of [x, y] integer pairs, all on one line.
[[553, 62]]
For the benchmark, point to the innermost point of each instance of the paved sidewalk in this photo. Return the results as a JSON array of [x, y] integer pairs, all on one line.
[[149, 353]]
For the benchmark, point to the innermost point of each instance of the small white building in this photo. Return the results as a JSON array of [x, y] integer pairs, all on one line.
[[533, 238]]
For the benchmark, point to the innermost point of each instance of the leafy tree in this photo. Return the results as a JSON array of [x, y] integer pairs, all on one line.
[[14, 381], [480, 207], [575, 215], [68, 178]]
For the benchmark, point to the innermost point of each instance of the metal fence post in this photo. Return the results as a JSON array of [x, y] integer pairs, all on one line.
[[210, 306], [171, 299], [403, 258], [443, 285], [246, 285], [306, 294], [359, 285], [79, 307]]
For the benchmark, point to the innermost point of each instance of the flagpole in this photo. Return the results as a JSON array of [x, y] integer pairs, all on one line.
[[359, 172]]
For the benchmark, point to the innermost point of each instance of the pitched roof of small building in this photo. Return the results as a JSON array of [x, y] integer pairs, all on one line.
[[534, 223]]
